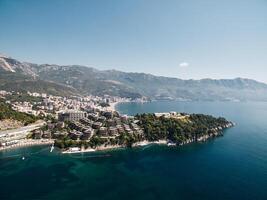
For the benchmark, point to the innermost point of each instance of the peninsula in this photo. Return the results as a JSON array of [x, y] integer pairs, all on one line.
[[117, 131], [91, 123]]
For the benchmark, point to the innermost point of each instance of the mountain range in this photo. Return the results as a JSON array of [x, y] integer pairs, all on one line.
[[81, 80]]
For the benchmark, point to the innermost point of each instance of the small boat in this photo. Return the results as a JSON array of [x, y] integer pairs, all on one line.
[[23, 158], [171, 144], [52, 148]]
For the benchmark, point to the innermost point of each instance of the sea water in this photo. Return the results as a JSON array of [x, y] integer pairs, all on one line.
[[230, 167]]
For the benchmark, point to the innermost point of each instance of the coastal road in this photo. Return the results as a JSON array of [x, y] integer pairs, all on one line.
[[21, 130]]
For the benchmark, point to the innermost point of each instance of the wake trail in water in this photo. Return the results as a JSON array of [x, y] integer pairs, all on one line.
[[23, 155]]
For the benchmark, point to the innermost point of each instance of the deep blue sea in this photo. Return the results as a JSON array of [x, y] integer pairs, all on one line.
[[230, 167]]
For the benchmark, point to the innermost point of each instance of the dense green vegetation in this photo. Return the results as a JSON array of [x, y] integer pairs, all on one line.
[[6, 112], [22, 98], [18, 82], [179, 130]]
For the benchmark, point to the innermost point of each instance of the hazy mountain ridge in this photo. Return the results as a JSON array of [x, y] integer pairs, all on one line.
[[20, 76], [76, 79]]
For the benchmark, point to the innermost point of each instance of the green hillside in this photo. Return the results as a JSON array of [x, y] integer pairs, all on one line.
[[6, 112], [22, 83], [74, 79]]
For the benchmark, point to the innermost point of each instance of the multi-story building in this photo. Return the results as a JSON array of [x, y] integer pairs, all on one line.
[[71, 115]]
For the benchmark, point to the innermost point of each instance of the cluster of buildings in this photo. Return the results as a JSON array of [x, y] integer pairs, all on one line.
[[52, 105], [55, 104], [27, 107], [4, 93], [82, 125], [12, 137], [172, 114], [78, 118]]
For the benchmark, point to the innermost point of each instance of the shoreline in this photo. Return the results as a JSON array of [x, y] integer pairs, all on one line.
[[28, 143], [201, 139], [114, 147], [75, 150], [112, 106]]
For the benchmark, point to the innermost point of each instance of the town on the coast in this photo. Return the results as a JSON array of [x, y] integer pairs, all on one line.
[[90, 123]]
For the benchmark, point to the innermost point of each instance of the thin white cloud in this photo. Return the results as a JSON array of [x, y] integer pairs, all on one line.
[[184, 64]]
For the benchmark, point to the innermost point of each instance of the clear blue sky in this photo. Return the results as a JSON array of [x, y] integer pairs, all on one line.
[[179, 38]]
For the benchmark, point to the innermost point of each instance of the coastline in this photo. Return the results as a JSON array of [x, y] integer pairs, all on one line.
[[40, 142], [112, 147], [27, 143], [203, 138], [112, 106], [146, 142]]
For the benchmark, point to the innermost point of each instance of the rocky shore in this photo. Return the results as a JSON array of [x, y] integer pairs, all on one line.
[[112, 147], [217, 132]]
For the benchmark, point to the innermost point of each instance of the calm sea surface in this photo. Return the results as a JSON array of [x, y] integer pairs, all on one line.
[[230, 167]]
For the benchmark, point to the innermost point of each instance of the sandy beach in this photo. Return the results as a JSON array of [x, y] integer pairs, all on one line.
[[28, 142], [112, 106]]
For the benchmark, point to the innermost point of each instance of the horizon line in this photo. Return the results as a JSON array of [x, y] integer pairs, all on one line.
[[137, 72]]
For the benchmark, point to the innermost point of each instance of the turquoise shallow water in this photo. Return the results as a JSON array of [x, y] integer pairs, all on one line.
[[230, 167]]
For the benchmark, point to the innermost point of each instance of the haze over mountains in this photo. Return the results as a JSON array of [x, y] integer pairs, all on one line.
[[82, 80]]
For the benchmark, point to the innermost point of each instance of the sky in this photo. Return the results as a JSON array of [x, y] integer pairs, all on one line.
[[188, 39]]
